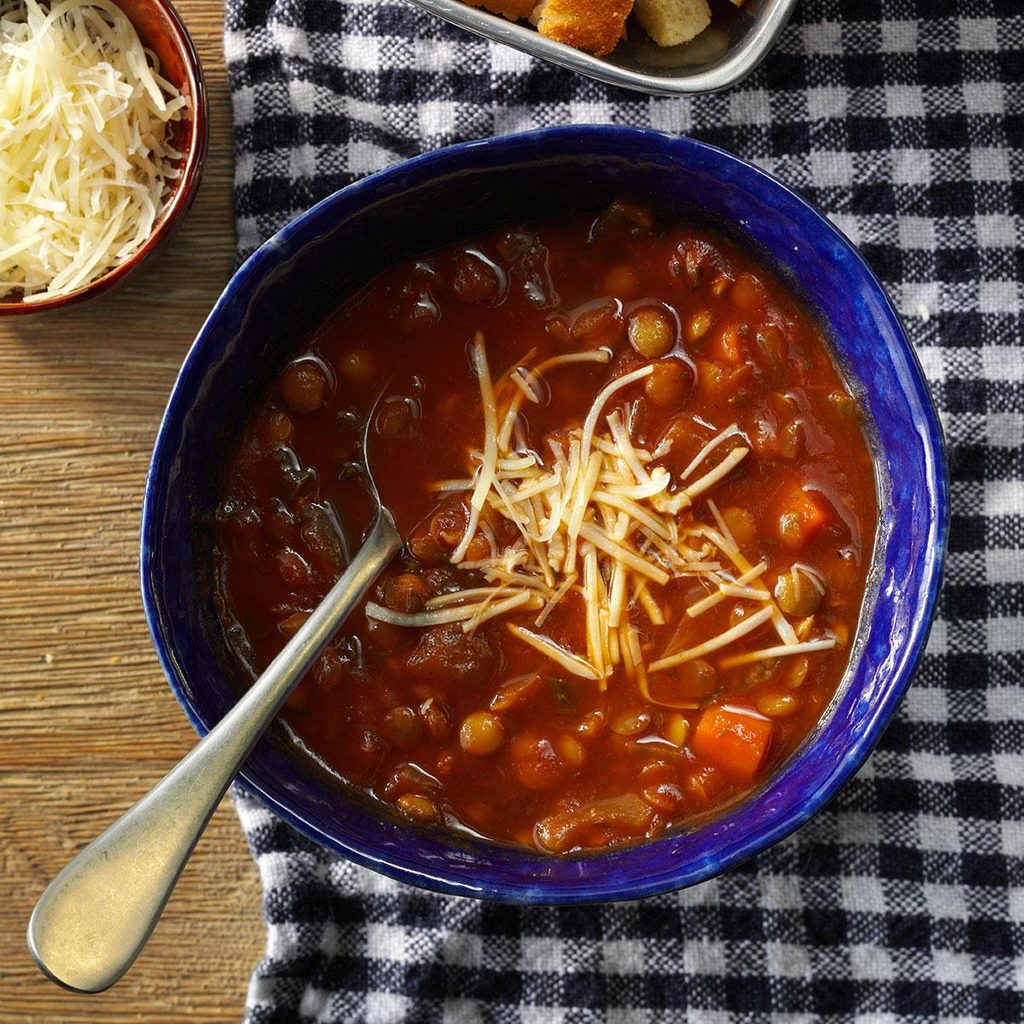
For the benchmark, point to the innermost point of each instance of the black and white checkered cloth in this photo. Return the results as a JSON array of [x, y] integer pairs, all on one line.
[[904, 900]]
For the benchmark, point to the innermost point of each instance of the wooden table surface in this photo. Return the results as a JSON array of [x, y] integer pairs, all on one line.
[[87, 722]]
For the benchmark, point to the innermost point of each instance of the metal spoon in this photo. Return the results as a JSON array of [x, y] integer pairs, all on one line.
[[94, 918]]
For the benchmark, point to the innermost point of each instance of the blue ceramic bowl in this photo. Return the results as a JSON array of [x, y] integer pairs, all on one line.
[[302, 272]]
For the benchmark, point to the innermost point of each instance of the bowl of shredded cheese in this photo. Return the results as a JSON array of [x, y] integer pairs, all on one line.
[[102, 141]]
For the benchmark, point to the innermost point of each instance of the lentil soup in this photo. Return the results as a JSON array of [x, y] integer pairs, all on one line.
[[639, 507]]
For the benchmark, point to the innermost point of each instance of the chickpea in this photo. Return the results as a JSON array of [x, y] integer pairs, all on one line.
[[397, 418], [448, 524], [592, 725], [481, 734], [631, 723], [797, 673], [437, 718], [790, 531], [474, 280], [421, 314], [669, 383], [359, 367], [695, 679], [777, 705], [791, 439], [651, 332], [303, 386], [622, 281], [401, 726], [699, 325], [424, 546], [741, 525], [677, 729], [571, 751], [276, 428], [556, 327], [406, 592], [796, 594], [479, 547], [418, 807]]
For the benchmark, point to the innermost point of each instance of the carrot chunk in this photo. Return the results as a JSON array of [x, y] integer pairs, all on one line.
[[734, 739]]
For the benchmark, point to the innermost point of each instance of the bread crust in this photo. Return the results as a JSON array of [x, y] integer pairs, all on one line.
[[593, 25]]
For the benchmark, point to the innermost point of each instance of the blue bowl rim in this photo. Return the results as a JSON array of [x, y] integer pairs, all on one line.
[[299, 232]]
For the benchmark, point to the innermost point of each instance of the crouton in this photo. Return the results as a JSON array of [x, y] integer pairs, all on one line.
[[594, 25], [514, 10], [671, 22]]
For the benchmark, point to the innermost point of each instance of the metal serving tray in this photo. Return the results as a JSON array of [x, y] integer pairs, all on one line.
[[735, 42]]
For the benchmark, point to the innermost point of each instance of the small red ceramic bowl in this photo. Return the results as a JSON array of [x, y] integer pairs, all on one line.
[[161, 29]]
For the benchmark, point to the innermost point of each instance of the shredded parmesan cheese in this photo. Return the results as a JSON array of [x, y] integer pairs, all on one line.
[[745, 626], [779, 652], [598, 519], [85, 154], [559, 655]]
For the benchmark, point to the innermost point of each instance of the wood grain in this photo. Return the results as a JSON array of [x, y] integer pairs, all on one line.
[[86, 720]]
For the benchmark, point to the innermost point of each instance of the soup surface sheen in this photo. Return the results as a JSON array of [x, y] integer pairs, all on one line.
[[640, 510]]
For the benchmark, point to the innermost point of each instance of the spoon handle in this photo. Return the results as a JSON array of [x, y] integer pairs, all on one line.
[[94, 918]]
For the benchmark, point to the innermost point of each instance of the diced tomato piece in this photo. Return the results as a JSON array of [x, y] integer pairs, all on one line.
[[801, 516], [735, 739]]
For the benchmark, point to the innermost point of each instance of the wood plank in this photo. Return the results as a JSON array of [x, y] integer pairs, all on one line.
[[86, 720]]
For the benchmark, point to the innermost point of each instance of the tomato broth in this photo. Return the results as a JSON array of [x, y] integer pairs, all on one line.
[[639, 508]]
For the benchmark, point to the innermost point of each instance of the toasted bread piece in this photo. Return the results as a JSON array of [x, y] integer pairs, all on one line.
[[514, 10], [594, 25], [671, 22]]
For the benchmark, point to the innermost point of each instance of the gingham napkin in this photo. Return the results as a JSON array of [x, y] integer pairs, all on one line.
[[904, 121]]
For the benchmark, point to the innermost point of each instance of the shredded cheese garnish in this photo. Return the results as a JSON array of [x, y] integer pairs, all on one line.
[[85, 150], [741, 629], [572, 663], [782, 651], [601, 523]]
